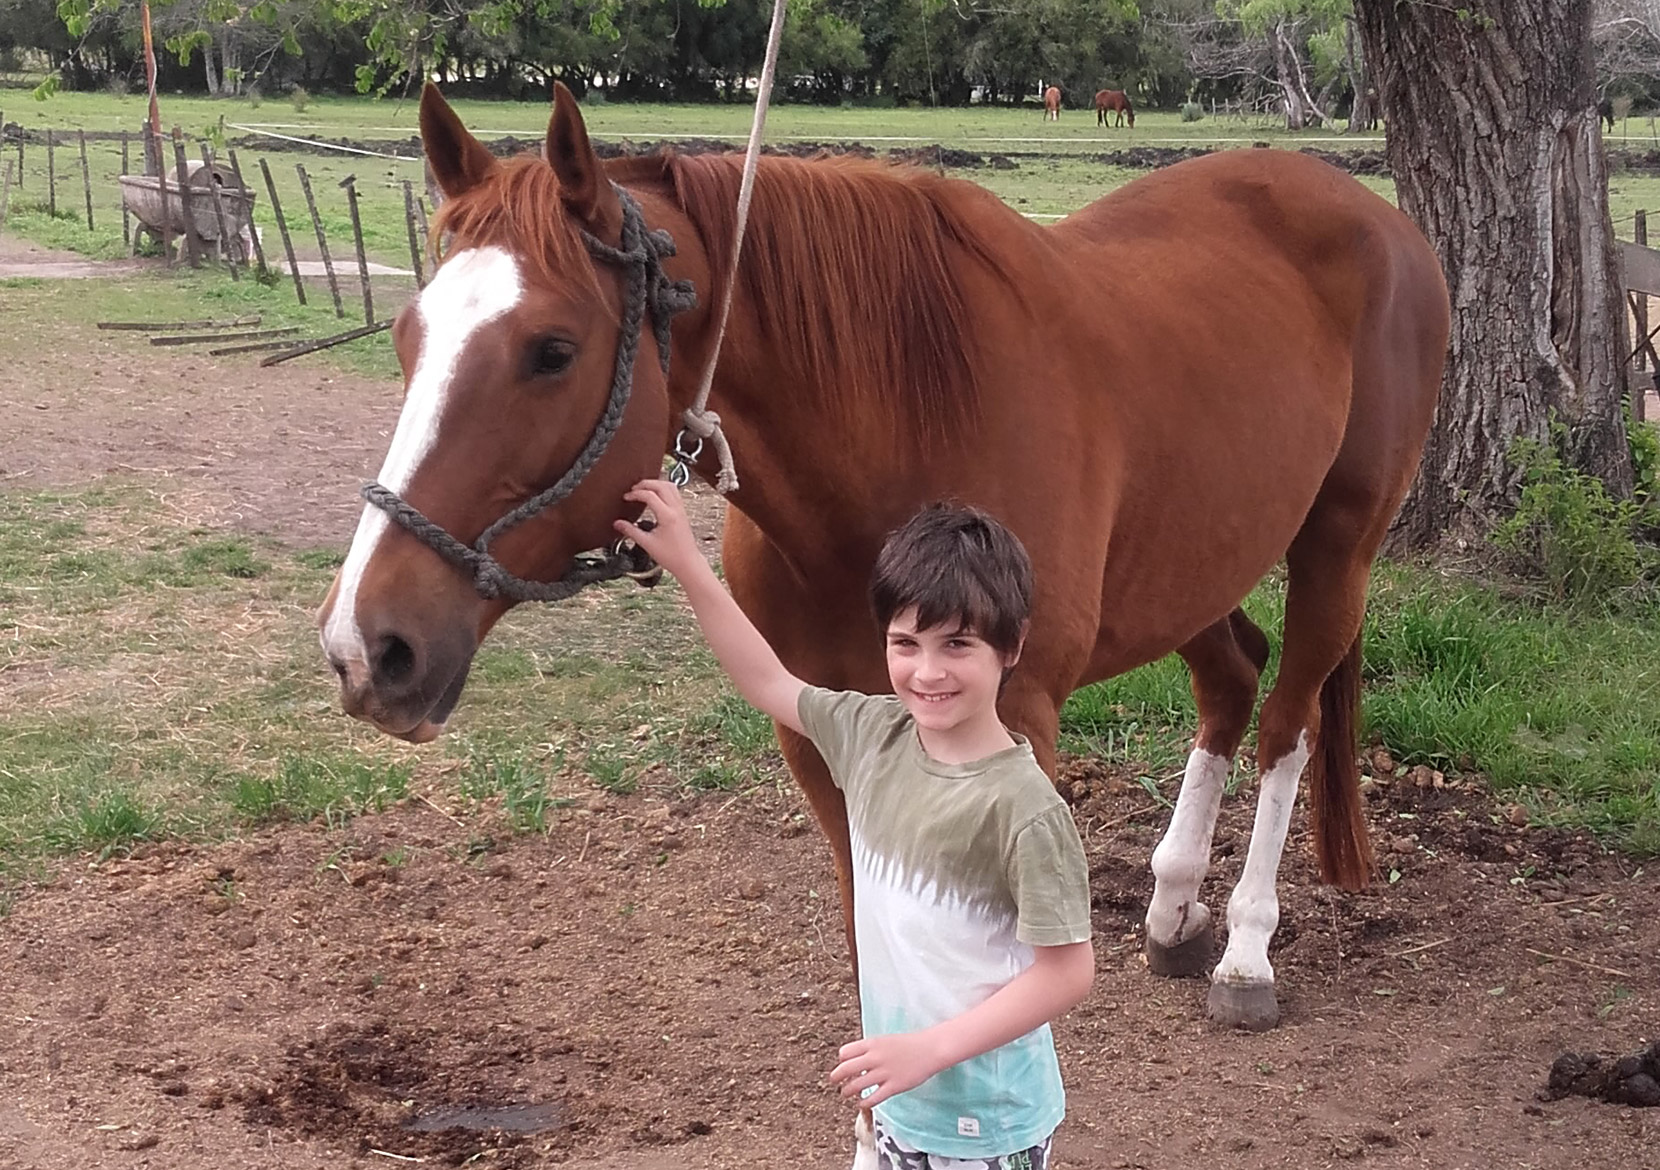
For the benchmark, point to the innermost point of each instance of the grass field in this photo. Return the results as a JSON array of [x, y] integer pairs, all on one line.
[[1058, 168], [161, 677]]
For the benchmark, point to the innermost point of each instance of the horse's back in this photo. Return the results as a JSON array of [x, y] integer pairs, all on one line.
[[1243, 224]]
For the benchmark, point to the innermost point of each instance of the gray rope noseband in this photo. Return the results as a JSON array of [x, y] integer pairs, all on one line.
[[648, 291]]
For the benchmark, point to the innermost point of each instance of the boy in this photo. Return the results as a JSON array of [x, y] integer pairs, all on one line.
[[971, 897]]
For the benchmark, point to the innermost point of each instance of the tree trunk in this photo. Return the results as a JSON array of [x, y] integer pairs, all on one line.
[[1362, 110], [1496, 150], [212, 73], [1285, 74]]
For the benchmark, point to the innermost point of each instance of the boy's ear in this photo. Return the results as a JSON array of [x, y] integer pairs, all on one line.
[[1014, 655]]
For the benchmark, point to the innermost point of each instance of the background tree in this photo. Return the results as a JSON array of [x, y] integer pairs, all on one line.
[[1497, 154]]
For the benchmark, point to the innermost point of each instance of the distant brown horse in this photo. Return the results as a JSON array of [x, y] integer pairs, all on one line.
[[1113, 99], [898, 337], [1052, 103]]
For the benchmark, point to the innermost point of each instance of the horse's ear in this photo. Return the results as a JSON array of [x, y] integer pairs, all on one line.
[[583, 187], [459, 161]]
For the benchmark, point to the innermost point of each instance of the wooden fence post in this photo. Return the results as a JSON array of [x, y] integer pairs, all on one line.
[[219, 220], [282, 229], [414, 244], [322, 240], [1640, 302], [126, 216], [153, 138], [253, 228], [350, 184], [186, 198], [51, 173], [86, 179]]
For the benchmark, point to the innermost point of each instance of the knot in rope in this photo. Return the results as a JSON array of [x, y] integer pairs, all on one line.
[[705, 424]]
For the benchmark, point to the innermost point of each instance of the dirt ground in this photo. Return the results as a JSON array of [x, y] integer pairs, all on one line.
[[660, 984]]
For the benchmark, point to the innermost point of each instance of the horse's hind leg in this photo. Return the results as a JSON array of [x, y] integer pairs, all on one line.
[[1313, 708], [1225, 661]]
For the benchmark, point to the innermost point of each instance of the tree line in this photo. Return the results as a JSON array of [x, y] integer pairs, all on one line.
[[1299, 57]]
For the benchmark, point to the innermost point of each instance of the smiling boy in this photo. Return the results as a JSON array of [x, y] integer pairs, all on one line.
[[971, 898]]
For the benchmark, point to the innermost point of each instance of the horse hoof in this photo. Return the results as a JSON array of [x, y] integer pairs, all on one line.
[[1251, 1006], [1185, 960]]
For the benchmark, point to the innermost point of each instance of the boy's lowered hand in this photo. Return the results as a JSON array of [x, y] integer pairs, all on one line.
[[891, 1064], [671, 543]]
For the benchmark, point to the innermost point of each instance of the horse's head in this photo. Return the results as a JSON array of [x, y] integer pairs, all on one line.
[[517, 388]]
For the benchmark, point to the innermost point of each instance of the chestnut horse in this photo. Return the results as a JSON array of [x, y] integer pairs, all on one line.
[[1052, 103], [1113, 99], [897, 337]]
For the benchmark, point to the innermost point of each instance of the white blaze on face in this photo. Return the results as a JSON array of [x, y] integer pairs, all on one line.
[[473, 288]]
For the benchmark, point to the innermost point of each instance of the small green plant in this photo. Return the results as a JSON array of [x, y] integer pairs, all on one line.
[[611, 774], [303, 788], [231, 558], [1644, 441], [107, 823], [1567, 531], [299, 98], [320, 558], [1192, 111]]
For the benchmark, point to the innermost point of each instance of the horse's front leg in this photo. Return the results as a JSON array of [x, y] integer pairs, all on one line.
[[1225, 661]]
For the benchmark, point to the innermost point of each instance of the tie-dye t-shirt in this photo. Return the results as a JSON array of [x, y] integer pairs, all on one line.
[[959, 870]]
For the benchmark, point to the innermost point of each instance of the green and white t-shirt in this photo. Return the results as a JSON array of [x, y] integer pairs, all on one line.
[[959, 870]]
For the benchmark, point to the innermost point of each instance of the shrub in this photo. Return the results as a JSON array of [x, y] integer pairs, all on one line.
[[1192, 111], [1567, 531], [300, 98]]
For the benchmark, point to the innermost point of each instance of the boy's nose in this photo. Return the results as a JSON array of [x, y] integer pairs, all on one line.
[[930, 669]]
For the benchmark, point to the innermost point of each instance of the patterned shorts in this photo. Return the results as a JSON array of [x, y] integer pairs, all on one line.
[[894, 1154]]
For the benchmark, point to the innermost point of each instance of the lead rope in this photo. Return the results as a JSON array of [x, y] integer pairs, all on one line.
[[701, 422]]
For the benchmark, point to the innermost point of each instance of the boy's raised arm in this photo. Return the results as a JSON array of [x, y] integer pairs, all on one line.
[[744, 654]]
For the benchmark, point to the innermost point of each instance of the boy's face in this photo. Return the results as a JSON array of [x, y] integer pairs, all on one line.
[[946, 676]]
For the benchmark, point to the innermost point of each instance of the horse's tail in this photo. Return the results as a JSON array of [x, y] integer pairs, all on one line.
[[1337, 813]]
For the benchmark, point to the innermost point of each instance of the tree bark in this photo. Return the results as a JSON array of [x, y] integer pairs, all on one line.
[[212, 73], [1285, 73], [1496, 150]]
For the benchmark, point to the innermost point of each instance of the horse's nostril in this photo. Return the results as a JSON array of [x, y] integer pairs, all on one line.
[[395, 663]]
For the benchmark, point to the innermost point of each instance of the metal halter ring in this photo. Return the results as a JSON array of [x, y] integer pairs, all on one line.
[[680, 474]]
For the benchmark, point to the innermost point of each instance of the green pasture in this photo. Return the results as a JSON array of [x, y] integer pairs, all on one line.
[[160, 676], [1058, 167]]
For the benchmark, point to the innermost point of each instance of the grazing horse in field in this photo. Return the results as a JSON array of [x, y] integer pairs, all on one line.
[[1605, 111], [1113, 99], [1052, 103], [897, 337]]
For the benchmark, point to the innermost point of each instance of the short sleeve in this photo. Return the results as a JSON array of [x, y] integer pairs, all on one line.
[[841, 725], [1049, 880]]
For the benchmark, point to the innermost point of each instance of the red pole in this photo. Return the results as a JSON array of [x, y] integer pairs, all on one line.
[[150, 77]]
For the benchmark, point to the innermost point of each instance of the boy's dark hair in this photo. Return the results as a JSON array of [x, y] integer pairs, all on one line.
[[954, 563]]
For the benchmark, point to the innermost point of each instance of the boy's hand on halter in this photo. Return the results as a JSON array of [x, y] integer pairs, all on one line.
[[891, 1063], [671, 543]]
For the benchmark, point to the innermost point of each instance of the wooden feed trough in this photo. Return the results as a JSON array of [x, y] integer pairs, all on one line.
[[142, 195]]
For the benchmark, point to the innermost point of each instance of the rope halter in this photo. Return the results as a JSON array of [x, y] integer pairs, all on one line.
[[648, 292]]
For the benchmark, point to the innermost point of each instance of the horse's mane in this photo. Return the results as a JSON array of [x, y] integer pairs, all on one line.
[[849, 265], [517, 206]]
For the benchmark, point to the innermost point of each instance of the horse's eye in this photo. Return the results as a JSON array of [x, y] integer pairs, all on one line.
[[551, 356]]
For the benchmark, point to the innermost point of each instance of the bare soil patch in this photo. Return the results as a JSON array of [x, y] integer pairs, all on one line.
[[660, 981], [20, 258]]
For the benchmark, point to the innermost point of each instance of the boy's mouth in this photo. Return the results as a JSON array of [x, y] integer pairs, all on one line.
[[934, 696]]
